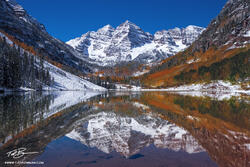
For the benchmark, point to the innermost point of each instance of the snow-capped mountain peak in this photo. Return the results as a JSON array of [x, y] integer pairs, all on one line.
[[130, 33], [106, 30], [128, 24], [128, 42]]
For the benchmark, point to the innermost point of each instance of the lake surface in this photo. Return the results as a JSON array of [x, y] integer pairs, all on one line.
[[141, 129]]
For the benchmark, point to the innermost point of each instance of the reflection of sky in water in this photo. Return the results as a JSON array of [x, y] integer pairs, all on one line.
[[73, 153]]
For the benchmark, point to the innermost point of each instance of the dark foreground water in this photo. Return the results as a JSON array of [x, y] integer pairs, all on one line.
[[115, 129]]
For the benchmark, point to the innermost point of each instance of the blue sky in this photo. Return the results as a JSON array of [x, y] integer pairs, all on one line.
[[67, 19]]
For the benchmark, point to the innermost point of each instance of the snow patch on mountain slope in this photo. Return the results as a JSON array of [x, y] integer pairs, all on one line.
[[149, 47], [67, 81]]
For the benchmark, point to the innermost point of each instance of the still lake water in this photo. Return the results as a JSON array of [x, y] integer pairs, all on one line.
[[137, 129]]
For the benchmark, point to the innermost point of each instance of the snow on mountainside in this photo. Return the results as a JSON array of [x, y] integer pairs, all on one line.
[[62, 80], [127, 135], [127, 42], [67, 81]]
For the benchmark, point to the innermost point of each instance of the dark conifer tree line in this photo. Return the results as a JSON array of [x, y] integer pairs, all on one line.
[[105, 82], [21, 69]]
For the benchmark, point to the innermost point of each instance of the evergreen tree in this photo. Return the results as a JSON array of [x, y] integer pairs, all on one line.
[[21, 69]]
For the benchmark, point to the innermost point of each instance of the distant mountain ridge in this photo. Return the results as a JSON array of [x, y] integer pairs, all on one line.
[[128, 42]]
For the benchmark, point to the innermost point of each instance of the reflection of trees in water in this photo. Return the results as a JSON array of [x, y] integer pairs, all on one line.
[[38, 135], [18, 112], [221, 127], [233, 110]]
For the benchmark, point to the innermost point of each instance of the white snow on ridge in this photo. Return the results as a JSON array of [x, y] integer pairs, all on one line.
[[74, 42]]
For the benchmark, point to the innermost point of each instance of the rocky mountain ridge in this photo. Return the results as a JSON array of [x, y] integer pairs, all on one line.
[[128, 42], [231, 27]]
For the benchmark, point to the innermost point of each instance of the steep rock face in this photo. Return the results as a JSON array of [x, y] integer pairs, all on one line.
[[128, 42], [110, 132], [231, 26], [20, 12], [15, 21]]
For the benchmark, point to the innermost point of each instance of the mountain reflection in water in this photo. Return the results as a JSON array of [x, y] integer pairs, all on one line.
[[126, 129]]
